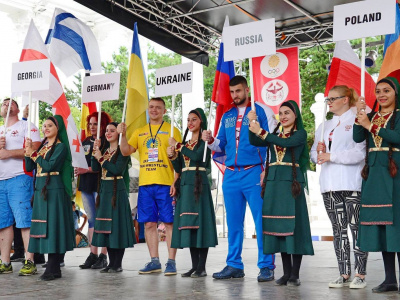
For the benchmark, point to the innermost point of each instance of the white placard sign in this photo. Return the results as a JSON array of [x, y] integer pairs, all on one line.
[[363, 19], [174, 80], [249, 40], [101, 87], [28, 76]]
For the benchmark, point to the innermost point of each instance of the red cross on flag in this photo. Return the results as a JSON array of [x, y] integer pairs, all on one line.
[[34, 49]]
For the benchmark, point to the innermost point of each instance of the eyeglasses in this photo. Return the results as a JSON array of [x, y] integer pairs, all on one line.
[[332, 99]]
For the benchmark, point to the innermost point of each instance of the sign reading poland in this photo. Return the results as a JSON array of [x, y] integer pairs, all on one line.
[[363, 19], [174, 80], [249, 40], [276, 78]]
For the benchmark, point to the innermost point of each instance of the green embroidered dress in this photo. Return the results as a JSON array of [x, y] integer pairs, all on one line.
[[379, 228], [286, 225], [194, 220], [113, 226], [52, 229]]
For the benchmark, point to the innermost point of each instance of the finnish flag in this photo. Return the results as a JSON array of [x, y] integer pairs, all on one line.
[[72, 45]]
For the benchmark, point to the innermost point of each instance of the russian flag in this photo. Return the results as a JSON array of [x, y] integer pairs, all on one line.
[[137, 99], [72, 45], [391, 53], [346, 70]]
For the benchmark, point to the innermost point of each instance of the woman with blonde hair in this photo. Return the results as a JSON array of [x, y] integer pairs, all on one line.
[[341, 161]]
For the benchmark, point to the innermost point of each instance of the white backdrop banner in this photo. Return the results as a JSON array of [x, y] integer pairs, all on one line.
[[174, 80], [363, 19], [249, 40], [100, 87]]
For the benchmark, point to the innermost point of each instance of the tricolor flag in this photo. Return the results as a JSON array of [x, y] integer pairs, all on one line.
[[391, 53], [346, 70], [136, 88], [34, 49], [87, 109], [72, 44]]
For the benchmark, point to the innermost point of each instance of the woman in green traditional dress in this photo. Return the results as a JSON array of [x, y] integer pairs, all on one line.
[[113, 226], [379, 229], [194, 219], [52, 229], [286, 225]]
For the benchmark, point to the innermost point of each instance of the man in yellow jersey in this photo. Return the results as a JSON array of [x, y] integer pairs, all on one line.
[[156, 181]]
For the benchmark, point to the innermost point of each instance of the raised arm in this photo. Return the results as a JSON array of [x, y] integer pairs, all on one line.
[[56, 160]]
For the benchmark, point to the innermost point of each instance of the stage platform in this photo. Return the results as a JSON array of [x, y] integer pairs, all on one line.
[[316, 272]]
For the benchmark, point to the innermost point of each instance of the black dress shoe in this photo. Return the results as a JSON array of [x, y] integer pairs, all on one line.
[[188, 273], [199, 274], [294, 282], [105, 270], [47, 277], [282, 281], [115, 270], [385, 287]]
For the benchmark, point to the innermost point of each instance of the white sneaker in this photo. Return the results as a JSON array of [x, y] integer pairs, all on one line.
[[358, 283], [339, 282]]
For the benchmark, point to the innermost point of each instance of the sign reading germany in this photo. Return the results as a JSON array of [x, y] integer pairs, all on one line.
[[100, 87]]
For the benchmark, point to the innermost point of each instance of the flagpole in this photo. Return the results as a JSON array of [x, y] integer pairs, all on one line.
[[30, 114], [208, 128], [321, 139], [8, 114], [363, 67], [123, 114], [172, 115], [99, 121], [253, 107]]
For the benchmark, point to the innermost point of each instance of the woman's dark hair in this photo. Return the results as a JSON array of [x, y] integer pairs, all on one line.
[[198, 185], [105, 120], [113, 161], [296, 186], [392, 164]]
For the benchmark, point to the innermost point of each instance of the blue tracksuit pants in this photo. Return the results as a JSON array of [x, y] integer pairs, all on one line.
[[239, 187]]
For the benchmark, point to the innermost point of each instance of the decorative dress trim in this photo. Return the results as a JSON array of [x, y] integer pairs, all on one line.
[[189, 227], [103, 231], [39, 221], [178, 147], [189, 213], [377, 205], [262, 133], [377, 223], [280, 163], [38, 235], [190, 146], [380, 121], [278, 217], [278, 233], [383, 149], [193, 169], [34, 156], [103, 219]]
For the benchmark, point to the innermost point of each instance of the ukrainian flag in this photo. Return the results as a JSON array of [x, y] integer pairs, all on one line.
[[391, 53], [138, 96]]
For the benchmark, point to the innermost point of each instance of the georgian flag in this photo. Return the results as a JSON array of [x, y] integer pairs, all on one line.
[[72, 44], [34, 49]]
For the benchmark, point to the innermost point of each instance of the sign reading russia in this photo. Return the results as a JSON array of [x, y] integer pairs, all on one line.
[[249, 40], [174, 80], [363, 19], [30, 76], [276, 78], [100, 87]]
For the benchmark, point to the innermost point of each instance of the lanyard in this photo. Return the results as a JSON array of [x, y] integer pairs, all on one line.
[[153, 140]]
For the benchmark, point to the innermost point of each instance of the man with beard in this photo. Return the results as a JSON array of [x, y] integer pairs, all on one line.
[[244, 164]]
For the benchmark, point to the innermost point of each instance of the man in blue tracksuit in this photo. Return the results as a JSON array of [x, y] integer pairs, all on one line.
[[244, 164]]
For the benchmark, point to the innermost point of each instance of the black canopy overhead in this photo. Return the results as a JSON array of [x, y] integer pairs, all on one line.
[[193, 28]]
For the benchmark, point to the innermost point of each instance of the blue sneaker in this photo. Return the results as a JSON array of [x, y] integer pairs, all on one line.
[[170, 269], [151, 267], [265, 275], [229, 272]]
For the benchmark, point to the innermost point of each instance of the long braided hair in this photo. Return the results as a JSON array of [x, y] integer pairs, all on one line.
[[296, 187], [115, 181], [198, 183], [392, 167]]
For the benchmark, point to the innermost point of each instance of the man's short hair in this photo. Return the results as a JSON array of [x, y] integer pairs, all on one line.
[[8, 99], [158, 99], [238, 80]]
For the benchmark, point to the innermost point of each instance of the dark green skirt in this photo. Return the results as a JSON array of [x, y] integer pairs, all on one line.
[[277, 198], [194, 220]]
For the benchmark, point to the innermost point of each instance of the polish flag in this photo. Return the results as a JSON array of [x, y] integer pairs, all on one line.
[[346, 70], [34, 49]]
